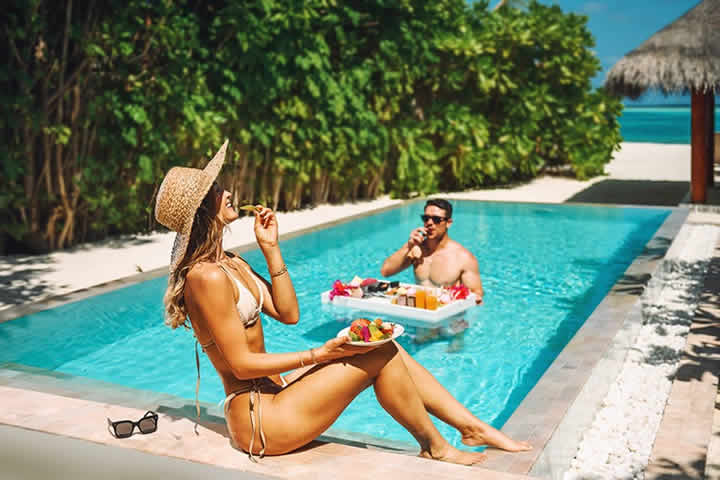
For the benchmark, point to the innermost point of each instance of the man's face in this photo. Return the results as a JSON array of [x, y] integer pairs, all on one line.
[[436, 230]]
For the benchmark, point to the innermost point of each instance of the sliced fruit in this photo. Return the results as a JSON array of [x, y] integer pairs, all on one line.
[[250, 208]]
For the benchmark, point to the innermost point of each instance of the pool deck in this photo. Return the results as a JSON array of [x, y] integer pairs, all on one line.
[[552, 417], [687, 444]]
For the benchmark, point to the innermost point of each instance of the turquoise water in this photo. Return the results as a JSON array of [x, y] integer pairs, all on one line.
[[544, 267], [658, 124]]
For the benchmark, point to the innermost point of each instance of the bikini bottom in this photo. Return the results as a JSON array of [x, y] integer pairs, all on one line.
[[255, 387]]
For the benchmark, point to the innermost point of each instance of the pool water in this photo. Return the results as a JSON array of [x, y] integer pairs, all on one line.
[[544, 268]]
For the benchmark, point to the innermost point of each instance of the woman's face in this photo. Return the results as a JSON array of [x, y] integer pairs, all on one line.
[[226, 212]]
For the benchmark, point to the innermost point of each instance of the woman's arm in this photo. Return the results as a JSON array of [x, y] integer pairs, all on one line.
[[270, 301], [281, 303]]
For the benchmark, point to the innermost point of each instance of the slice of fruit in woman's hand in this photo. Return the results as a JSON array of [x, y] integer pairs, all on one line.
[[250, 208]]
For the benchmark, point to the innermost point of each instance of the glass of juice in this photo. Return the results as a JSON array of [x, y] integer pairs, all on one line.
[[431, 301], [420, 297]]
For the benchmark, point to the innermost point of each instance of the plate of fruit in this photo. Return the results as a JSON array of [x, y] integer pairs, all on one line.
[[364, 332]]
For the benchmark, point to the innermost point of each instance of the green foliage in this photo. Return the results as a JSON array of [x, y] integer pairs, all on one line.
[[322, 100]]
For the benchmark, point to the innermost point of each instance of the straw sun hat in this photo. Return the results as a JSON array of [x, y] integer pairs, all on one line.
[[180, 195]]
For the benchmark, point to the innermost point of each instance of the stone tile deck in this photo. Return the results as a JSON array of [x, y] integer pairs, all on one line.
[[86, 420], [691, 419]]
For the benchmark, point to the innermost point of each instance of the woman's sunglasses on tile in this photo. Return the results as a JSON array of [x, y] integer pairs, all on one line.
[[125, 428], [435, 218]]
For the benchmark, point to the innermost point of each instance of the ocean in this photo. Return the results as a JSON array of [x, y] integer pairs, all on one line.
[[661, 124]]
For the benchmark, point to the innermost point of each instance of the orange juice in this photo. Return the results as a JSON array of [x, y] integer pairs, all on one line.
[[431, 301], [420, 298]]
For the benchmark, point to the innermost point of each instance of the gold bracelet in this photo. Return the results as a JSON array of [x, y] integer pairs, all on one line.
[[279, 272], [312, 355], [302, 364]]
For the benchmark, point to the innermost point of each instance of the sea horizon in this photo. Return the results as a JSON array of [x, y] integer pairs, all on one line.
[[666, 123]]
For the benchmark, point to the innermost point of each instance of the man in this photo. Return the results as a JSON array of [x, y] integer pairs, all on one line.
[[437, 261]]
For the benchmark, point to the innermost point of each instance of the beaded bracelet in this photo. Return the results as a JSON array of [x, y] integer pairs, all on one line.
[[279, 272]]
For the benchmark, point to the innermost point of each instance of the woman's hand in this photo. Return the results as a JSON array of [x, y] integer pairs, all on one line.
[[266, 227], [338, 348]]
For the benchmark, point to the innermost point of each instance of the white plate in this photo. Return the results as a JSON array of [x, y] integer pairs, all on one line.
[[397, 331]]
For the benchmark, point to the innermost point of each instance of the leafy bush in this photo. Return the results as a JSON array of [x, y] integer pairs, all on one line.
[[323, 101]]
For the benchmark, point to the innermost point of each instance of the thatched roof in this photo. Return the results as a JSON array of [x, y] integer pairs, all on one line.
[[684, 55]]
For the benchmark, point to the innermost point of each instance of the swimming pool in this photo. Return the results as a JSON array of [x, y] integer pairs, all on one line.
[[544, 269]]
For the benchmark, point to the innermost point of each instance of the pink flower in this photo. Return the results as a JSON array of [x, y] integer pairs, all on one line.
[[338, 290]]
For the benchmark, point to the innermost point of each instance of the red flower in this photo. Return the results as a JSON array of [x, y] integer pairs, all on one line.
[[339, 290], [459, 292]]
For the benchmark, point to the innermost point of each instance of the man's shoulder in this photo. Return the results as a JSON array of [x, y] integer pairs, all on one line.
[[460, 250]]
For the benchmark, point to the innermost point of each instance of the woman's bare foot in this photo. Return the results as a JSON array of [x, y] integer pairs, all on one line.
[[493, 438], [453, 455]]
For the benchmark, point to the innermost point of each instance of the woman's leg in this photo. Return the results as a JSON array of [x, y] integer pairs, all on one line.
[[440, 403], [308, 406]]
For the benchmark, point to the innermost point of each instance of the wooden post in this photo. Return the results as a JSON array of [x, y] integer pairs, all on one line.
[[711, 139], [698, 147]]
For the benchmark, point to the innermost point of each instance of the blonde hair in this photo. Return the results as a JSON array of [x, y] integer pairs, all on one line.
[[205, 237]]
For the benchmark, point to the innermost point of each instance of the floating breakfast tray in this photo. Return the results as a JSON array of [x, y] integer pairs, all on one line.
[[411, 315]]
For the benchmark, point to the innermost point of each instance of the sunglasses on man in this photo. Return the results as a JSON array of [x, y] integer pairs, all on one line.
[[125, 428], [435, 218]]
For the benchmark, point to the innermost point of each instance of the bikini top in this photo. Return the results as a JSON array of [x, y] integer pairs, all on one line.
[[248, 308]]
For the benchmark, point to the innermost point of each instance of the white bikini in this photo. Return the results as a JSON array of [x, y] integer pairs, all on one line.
[[249, 310]]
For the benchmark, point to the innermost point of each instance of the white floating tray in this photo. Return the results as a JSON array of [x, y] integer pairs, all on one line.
[[418, 316]]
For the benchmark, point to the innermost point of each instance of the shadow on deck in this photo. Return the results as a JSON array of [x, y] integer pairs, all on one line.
[[633, 192]]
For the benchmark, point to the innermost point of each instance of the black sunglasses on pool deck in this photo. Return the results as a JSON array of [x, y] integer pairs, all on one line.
[[125, 428], [435, 218]]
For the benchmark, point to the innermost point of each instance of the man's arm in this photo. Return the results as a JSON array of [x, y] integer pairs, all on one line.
[[399, 261], [395, 263], [470, 277]]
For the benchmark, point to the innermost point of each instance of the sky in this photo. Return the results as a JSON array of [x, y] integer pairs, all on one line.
[[621, 25]]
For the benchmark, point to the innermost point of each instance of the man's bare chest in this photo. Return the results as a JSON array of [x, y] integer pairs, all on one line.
[[438, 270]]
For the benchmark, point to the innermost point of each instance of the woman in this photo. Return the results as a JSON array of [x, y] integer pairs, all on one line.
[[222, 296]]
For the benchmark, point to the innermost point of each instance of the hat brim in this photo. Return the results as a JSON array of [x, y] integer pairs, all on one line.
[[182, 239]]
